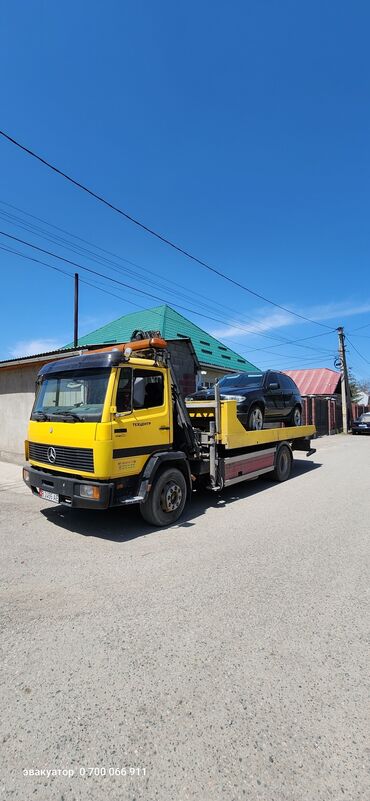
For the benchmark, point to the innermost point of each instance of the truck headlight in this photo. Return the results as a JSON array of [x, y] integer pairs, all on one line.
[[90, 491]]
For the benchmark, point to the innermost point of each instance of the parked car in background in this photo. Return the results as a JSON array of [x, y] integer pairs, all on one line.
[[269, 397], [362, 424]]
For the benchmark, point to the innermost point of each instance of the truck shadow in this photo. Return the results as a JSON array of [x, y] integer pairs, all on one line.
[[124, 524]]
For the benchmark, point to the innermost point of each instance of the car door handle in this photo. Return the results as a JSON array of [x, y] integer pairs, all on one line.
[[120, 430], [164, 428]]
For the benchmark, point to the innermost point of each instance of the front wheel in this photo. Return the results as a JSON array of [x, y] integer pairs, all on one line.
[[167, 498], [255, 419], [283, 464]]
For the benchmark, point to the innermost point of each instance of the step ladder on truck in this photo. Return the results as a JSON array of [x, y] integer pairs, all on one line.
[[110, 428]]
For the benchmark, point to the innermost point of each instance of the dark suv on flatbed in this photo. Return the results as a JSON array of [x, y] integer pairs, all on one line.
[[261, 397]]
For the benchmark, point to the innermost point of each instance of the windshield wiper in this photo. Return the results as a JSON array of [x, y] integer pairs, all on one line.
[[70, 415], [41, 416]]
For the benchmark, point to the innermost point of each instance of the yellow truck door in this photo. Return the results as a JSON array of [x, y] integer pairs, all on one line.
[[143, 422]]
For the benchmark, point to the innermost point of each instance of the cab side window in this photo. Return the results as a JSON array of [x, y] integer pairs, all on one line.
[[124, 390], [139, 389], [147, 389]]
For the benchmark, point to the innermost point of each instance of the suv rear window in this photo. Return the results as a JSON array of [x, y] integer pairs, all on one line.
[[286, 382]]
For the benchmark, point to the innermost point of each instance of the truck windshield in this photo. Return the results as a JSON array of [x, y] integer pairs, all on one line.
[[73, 395], [241, 380]]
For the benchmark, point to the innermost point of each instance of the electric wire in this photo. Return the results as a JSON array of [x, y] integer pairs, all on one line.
[[129, 286], [18, 222], [362, 336], [360, 328], [152, 232], [356, 349], [108, 263], [39, 232], [108, 292], [117, 268]]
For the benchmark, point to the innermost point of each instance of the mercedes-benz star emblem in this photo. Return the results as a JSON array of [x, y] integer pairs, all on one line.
[[52, 455]]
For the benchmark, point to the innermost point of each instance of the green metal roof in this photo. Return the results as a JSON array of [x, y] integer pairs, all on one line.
[[172, 325]]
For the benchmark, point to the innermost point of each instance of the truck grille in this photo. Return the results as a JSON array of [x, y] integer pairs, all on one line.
[[58, 456]]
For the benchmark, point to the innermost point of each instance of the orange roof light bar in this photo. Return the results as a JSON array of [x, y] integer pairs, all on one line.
[[137, 344]]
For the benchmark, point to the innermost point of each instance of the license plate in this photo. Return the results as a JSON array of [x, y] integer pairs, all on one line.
[[362, 425], [49, 496]]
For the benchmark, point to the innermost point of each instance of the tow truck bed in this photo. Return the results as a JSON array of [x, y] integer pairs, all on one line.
[[236, 454]]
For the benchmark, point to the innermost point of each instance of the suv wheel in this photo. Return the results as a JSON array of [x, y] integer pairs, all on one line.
[[296, 418], [255, 419]]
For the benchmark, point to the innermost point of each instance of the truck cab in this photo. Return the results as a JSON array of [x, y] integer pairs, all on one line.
[[96, 422]]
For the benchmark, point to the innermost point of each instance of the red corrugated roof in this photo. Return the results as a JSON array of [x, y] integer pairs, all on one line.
[[318, 381]]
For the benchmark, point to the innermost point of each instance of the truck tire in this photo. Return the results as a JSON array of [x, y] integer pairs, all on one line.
[[283, 464], [167, 498]]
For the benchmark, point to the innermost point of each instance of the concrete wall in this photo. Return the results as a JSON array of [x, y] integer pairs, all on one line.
[[17, 393]]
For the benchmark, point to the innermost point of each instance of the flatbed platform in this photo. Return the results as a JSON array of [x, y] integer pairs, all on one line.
[[229, 431]]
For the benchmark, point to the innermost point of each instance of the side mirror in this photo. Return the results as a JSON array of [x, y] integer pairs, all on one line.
[[273, 385]]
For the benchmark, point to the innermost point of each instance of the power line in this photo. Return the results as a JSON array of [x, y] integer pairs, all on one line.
[[295, 342], [124, 284], [300, 357], [152, 232], [71, 275], [286, 364], [32, 228], [301, 339], [117, 268], [268, 348], [30, 258], [360, 328], [99, 288], [129, 286], [121, 283], [109, 253], [362, 336], [50, 237], [356, 349], [114, 295]]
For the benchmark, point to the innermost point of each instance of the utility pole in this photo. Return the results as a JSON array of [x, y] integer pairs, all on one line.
[[75, 327], [345, 388]]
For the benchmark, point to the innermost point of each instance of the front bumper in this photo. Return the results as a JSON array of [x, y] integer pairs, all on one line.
[[68, 489]]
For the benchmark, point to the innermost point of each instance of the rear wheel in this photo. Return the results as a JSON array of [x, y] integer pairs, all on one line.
[[167, 498], [255, 419], [296, 417], [283, 465]]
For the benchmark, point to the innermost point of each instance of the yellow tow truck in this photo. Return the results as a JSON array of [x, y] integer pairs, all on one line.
[[110, 428]]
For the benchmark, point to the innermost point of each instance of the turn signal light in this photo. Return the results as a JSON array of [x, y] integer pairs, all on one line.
[[26, 475], [89, 491]]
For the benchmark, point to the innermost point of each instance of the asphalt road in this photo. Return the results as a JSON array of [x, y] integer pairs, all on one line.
[[224, 658]]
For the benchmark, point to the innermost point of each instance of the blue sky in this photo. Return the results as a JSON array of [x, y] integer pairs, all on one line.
[[239, 130]]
